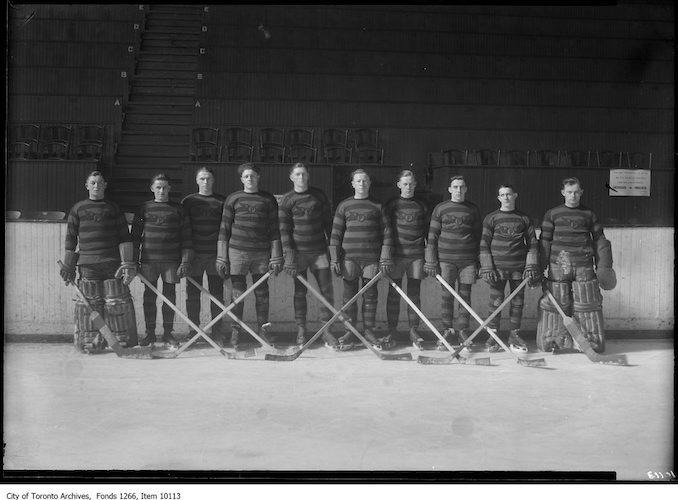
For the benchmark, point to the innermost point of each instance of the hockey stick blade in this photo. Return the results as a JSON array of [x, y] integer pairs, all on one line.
[[575, 331], [122, 352], [448, 360]]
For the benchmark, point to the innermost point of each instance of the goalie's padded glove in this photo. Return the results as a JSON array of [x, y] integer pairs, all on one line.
[[533, 276], [67, 271], [290, 266], [128, 268], [431, 269], [275, 264], [607, 278], [335, 259]]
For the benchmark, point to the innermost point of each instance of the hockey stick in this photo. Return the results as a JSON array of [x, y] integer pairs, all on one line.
[[469, 340], [328, 324], [227, 309], [478, 361], [99, 323], [347, 323], [532, 363], [573, 329], [190, 323]]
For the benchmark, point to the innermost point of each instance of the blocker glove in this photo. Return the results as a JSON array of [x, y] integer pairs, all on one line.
[[335, 260], [607, 278], [67, 271], [275, 264], [290, 266], [534, 277]]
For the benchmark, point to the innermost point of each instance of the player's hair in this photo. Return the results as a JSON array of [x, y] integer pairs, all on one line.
[[95, 173], [209, 170], [569, 181], [506, 186], [248, 166], [458, 178], [406, 173], [298, 165], [162, 176], [359, 171]]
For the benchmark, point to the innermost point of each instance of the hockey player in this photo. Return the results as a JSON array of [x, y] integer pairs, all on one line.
[[410, 217], [509, 252], [204, 210], [361, 244], [305, 223], [161, 233], [98, 243], [249, 242], [578, 258], [452, 250]]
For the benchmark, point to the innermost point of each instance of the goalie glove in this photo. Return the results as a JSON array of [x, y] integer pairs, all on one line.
[[335, 260], [290, 266], [275, 264], [431, 265], [128, 268], [385, 260], [534, 277], [607, 278], [67, 270], [184, 268]]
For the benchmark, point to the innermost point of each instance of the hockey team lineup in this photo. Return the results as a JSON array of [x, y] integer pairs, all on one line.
[[364, 241]]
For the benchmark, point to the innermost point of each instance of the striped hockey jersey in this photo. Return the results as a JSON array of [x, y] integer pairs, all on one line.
[[572, 230], [250, 221], [305, 221], [204, 213], [455, 232], [361, 228], [410, 219], [507, 239], [160, 231], [96, 228]]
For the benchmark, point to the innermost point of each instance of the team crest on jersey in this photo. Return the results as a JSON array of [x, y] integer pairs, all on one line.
[[162, 220], [407, 215], [574, 222], [305, 209], [97, 215], [206, 212], [456, 222], [510, 229], [249, 208], [361, 215]]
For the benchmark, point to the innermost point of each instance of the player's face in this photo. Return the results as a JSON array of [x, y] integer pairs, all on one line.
[[160, 190], [361, 184], [299, 178], [507, 198], [250, 180], [458, 190], [96, 186], [205, 182], [572, 194], [407, 186]]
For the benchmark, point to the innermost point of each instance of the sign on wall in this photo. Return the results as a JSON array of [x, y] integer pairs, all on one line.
[[629, 182]]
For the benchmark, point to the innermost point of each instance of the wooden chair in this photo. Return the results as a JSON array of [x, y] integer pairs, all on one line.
[[300, 137], [272, 154], [513, 158], [54, 150], [455, 157], [20, 151], [334, 137], [239, 152], [27, 133], [300, 153], [206, 151], [488, 157], [337, 154], [238, 135], [575, 158], [544, 158], [608, 159], [637, 160], [271, 136], [373, 156], [366, 138], [204, 145]]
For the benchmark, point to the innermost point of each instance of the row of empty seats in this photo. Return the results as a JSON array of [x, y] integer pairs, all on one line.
[[50, 215], [28, 141], [280, 145], [540, 158]]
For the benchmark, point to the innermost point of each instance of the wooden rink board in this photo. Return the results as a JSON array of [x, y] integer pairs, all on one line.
[[337, 411]]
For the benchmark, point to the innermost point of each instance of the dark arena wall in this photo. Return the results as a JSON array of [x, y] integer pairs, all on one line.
[[526, 95]]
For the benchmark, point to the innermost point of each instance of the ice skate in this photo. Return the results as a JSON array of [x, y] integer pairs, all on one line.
[[448, 334], [516, 344], [491, 344], [369, 336], [415, 338]]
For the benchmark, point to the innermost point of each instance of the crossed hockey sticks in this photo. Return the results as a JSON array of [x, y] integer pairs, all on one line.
[[99, 323], [405, 356], [180, 313], [478, 361], [337, 315], [469, 340], [227, 310], [532, 363], [575, 331]]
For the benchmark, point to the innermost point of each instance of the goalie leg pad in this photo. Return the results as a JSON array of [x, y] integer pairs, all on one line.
[[551, 332], [120, 316], [86, 338], [588, 311]]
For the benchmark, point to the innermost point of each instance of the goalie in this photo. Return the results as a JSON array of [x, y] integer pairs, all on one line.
[[578, 259], [98, 230]]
